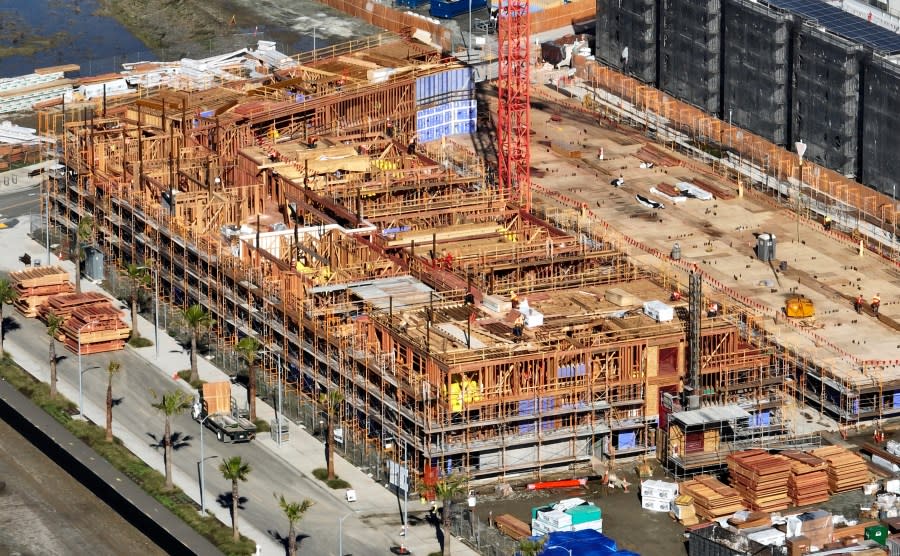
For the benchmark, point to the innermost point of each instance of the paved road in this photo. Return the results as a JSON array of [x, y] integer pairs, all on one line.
[[286, 470], [43, 510]]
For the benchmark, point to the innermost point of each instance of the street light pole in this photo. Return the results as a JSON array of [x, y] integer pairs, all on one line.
[[81, 372], [801, 150], [202, 422], [156, 313]]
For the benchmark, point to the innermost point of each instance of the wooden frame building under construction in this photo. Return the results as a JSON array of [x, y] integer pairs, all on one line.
[[383, 263]]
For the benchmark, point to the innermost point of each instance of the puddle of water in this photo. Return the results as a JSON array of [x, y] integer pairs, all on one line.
[[42, 33]]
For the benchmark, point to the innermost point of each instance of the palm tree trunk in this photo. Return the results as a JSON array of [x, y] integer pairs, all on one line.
[[2, 334], [292, 540], [134, 314], [195, 376], [445, 511], [167, 452], [329, 446], [251, 392], [52, 367], [234, 508], [109, 405]]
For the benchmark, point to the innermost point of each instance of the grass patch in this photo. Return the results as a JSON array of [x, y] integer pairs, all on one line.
[[337, 483], [150, 480], [139, 342], [185, 375], [262, 425]]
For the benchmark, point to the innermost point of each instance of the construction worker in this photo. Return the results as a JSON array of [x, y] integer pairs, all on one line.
[[519, 326], [676, 295], [876, 303], [827, 223], [514, 300], [858, 303]]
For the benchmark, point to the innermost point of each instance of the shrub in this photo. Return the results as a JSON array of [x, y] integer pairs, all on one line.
[[262, 425], [185, 375], [139, 342], [147, 478], [337, 483], [320, 473]]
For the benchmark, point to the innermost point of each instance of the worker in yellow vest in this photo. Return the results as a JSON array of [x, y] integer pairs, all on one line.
[[876, 303]]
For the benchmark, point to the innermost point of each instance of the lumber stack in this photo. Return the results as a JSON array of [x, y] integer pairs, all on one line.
[[809, 478], [846, 470], [712, 498], [62, 305], [512, 526], [100, 328], [35, 285], [761, 478]]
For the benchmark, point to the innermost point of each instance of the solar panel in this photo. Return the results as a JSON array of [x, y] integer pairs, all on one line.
[[843, 23]]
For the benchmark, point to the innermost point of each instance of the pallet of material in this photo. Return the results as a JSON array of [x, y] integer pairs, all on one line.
[[651, 154], [99, 326], [712, 498], [808, 484], [96, 347], [718, 192], [63, 305], [29, 306], [39, 276], [52, 289], [846, 470], [761, 478], [512, 527]]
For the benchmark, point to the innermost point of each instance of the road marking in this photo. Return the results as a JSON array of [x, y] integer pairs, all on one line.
[[7, 207]]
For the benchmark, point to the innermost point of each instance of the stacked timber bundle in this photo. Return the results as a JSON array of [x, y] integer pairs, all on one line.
[[809, 478], [762, 479], [35, 285], [846, 470], [712, 499], [100, 327], [63, 305]]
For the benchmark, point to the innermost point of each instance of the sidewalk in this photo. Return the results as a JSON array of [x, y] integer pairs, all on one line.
[[301, 451]]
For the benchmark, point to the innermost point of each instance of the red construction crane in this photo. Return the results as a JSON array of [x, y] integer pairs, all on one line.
[[513, 111]]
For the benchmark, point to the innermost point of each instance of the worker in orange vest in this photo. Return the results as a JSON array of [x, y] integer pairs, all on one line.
[[858, 304], [876, 303]]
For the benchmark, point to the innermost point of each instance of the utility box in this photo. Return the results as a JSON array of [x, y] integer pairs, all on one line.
[[765, 247], [93, 263]]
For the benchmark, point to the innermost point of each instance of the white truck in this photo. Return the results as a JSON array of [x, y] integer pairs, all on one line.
[[219, 412]]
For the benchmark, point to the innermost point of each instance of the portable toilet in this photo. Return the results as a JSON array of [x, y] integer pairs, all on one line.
[[765, 247]]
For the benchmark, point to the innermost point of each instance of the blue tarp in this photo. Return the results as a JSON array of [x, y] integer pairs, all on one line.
[[582, 543]]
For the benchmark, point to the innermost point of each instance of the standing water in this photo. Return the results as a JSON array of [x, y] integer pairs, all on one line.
[[42, 33]]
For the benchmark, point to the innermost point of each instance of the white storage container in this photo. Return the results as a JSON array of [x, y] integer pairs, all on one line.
[[659, 489], [655, 504], [659, 311]]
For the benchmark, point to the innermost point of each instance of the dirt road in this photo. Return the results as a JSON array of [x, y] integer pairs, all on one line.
[[45, 511]]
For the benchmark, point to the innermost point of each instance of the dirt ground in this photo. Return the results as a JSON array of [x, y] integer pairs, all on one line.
[[633, 528], [44, 511]]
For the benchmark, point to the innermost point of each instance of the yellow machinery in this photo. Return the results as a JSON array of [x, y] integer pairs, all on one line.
[[799, 308]]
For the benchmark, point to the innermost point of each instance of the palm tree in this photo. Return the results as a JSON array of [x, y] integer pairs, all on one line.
[[8, 294], [293, 511], [249, 348], [197, 319], [137, 277], [446, 489], [54, 324], [111, 369], [332, 401], [528, 547], [234, 469], [82, 235], [170, 404]]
